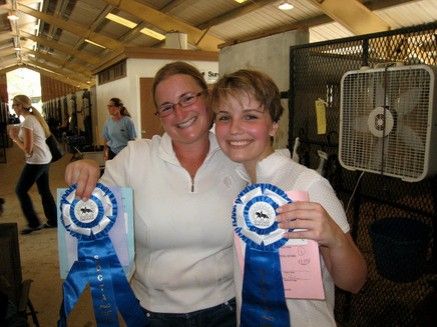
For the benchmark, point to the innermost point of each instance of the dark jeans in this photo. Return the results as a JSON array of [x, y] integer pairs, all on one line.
[[222, 315], [39, 174]]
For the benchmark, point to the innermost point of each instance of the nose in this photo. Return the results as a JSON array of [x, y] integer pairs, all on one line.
[[178, 109], [235, 126]]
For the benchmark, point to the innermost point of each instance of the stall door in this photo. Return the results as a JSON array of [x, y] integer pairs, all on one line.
[[150, 124]]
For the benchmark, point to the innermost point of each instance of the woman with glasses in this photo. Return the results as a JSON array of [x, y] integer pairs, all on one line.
[[183, 190], [30, 137], [118, 129]]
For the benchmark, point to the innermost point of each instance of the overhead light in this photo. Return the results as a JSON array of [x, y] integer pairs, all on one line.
[[121, 20], [152, 33], [94, 43], [285, 6], [240, 1], [13, 16]]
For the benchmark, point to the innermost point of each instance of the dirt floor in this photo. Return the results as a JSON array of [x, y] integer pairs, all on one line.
[[39, 250]]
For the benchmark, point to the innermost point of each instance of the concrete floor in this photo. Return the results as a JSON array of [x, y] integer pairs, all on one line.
[[39, 250]]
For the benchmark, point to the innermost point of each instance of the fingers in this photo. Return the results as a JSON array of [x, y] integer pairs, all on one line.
[[85, 174], [299, 210]]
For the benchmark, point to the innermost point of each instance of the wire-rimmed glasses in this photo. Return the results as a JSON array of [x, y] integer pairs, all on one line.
[[185, 101]]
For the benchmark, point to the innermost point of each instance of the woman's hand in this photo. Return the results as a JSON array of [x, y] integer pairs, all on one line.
[[13, 132], [85, 173], [316, 223], [343, 259]]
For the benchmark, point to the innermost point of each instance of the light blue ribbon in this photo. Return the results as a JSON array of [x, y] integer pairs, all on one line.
[[253, 216], [97, 263]]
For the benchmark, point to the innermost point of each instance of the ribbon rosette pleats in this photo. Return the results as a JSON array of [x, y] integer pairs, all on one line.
[[97, 263], [253, 218]]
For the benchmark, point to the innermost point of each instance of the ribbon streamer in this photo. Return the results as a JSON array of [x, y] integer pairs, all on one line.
[[253, 218], [97, 262]]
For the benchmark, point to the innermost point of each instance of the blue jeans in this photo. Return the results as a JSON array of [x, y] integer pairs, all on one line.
[[222, 315], [39, 174]]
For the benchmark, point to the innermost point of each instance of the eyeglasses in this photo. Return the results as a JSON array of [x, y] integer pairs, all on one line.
[[184, 101]]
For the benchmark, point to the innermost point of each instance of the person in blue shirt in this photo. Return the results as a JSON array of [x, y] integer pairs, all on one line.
[[118, 129]]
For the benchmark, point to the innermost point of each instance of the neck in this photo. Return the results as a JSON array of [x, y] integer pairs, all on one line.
[[250, 166], [192, 156], [116, 116], [251, 170]]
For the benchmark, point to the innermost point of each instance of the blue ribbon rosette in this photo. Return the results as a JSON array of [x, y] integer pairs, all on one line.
[[253, 218], [97, 263]]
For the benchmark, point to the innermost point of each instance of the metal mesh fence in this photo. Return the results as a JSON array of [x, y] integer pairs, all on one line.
[[315, 73]]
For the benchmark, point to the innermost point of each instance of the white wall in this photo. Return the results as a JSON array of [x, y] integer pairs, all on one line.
[[128, 88], [270, 55]]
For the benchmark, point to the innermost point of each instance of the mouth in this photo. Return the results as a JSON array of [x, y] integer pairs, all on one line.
[[187, 123], [239, 143]]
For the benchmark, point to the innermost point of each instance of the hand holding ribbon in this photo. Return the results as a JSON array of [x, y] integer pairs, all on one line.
[[97, 262]]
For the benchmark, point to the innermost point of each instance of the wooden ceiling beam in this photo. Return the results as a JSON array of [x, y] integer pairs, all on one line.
[[68, 74], [44, 72], [235, 13], [73, 28], [62, 63], [63, 48], [56, 76], [353, 15], [311, 22], [167, 23]]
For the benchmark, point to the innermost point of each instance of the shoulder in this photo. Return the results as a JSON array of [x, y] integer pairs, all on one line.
[[141, 146], [128, 120], [29, 121]]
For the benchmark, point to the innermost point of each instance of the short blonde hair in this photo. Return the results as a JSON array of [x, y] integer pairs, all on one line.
[[252, 82]]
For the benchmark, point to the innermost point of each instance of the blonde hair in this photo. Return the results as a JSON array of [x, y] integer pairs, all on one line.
[[25, 101]]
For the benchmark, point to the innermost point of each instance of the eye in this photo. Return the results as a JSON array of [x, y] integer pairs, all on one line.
[[222, 117], [187, 99], [165, 108], [250, 117]]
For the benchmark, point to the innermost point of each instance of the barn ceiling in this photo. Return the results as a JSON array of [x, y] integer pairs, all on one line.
[[70, 39]]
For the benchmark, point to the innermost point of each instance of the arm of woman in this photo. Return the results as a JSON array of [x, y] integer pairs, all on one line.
[[26, 145], [131, 130], [105, 149], [343, 260]]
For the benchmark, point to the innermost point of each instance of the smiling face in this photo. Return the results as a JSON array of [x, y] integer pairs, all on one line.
[[244, 128], [184, 125]]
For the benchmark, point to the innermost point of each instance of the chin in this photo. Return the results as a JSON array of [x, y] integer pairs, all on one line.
[[237, 157]]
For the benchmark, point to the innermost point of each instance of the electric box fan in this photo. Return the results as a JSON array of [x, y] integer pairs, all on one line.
[[388, 121]]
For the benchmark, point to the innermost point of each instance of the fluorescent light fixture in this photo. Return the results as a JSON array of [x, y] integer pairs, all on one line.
[[94, 43], [13, 16], [152, 33], [121, 20], [285, 6]]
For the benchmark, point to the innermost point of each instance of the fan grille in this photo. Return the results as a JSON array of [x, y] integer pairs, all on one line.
[[395, 102]]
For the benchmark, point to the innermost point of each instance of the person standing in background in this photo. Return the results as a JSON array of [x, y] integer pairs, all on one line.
[[30, 136], [118, 129]]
